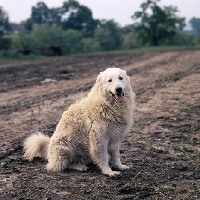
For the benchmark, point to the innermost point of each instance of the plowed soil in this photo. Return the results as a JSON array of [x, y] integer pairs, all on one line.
[[162, 149]]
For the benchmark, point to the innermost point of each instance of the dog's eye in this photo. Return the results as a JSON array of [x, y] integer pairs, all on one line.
[[120, 78], [109, 80]]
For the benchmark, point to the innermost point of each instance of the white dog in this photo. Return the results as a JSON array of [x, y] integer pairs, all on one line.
[[91, 129]]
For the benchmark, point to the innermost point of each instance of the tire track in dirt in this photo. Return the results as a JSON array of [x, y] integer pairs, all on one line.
[[59, 69], [27, 103], [164, 61], [160, 83]]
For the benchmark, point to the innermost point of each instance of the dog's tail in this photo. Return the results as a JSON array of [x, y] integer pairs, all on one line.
[[36, 145]]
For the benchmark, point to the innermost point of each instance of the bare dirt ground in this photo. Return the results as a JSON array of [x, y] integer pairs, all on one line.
[[162, 149]]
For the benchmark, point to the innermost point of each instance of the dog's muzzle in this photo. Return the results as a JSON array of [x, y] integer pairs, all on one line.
[[119, 94]]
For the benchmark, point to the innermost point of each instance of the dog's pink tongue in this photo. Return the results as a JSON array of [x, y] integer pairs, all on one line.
[[119, 98]]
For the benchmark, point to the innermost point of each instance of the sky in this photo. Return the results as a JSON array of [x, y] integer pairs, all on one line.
[[119, 10]]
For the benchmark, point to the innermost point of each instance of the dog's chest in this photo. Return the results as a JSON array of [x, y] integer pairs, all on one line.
[[115, 130], [112, 116]]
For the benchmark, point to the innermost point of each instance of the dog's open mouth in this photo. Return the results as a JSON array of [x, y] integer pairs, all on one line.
[[118, 97]]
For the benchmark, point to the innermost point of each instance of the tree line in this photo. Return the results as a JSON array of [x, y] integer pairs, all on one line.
[[72, 26]]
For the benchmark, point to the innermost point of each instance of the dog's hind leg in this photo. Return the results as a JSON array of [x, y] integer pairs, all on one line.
[[59, 157], [57, 164]]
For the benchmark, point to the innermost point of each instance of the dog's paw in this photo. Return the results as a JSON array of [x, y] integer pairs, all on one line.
[[122, 167], [114, 173], [111, 173]]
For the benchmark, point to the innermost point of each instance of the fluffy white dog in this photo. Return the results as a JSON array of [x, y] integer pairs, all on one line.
[[91, 129]]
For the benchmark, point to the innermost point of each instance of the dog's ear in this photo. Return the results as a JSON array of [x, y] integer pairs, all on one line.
[[126, 76], [99, 81], [99, 77]]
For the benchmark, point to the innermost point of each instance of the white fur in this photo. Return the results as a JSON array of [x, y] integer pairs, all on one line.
[[90, 130]]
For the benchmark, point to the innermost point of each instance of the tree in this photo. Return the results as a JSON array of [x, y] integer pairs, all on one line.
[[197, 41], [105, 39], [4, 22], [130, 41], [108, 35], [90, 45], [41, 14], [157, 24], [114, 30], [78, 17], [56, 16], [195, 23], [5, 27], [45, 34], [73, 40], [71, 15]]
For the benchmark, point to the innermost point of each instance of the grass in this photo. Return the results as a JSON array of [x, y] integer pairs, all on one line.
[[18, 56], [138, 126], [186, 110], [140, 145], [178, 146]]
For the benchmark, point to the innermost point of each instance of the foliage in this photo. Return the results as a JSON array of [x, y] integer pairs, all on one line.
[[26, 41], [78, 17], [105, 39], [15, 41], [197, 41], [56, 16], [71, 15], [90, 45], [182, 38], [114, 30], [157, 25], [73, 40], [40, 14], [74, 29], [108, 35], [45, 34], [129, 37], [130, 41], [4, 22], [5, 43], [195, 23]]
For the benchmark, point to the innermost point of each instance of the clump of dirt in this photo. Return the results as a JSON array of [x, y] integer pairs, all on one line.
[[162, 149]]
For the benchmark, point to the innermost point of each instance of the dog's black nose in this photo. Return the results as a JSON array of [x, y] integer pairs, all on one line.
[[118, 90]]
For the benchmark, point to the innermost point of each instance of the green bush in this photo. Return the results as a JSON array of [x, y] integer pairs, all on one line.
[[15, 41], [72, 39], [90, 45], [45, 34], [5, 43], [130, 41], [197, 41], [182, 38], [104, 37]]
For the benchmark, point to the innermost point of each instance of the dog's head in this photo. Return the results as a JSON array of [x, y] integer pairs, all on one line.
[[114, 85]]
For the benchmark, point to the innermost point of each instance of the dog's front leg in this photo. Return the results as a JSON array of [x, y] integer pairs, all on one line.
[[115, 156], [99, 153]]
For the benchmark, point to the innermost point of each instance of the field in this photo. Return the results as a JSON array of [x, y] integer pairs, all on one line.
[[162, 149]]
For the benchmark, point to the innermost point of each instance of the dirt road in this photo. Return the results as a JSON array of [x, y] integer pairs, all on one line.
[[162, 149]]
